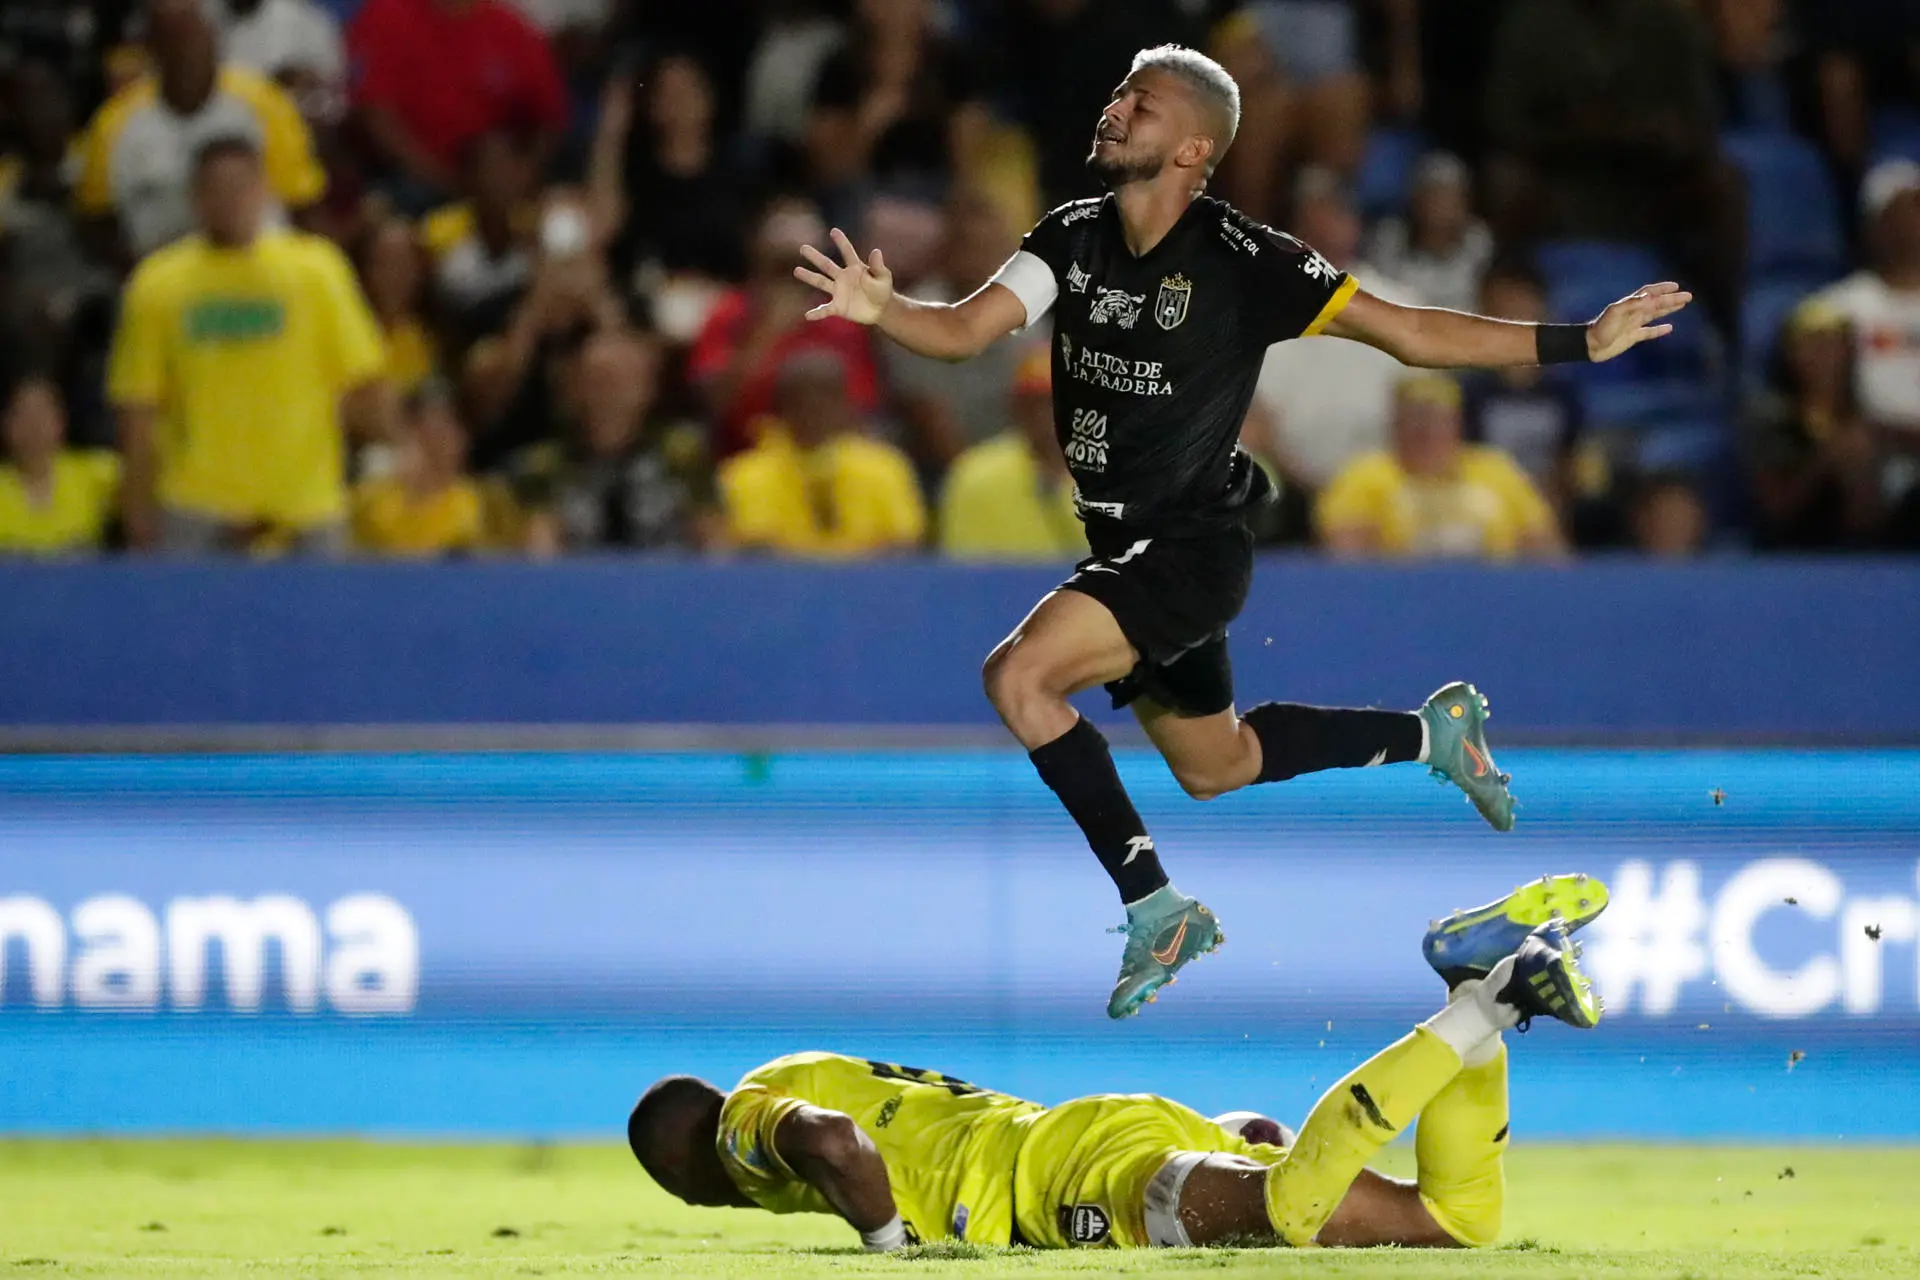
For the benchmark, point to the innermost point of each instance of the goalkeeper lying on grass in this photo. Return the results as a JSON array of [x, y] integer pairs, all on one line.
[[908, 1156]]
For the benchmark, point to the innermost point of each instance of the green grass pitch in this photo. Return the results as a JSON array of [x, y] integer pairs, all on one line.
[[205, 1208]]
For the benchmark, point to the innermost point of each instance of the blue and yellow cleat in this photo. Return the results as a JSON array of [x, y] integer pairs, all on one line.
[[1467, 944], [1457, 751], [1158, 946], [1547, 982]]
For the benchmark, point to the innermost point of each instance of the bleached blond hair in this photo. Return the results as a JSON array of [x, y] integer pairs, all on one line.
[[1219, 92]]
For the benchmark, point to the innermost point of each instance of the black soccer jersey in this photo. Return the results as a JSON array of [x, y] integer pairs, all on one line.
[[1155, 357]]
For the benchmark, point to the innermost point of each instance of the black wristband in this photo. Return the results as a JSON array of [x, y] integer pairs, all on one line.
[[1561, 343]]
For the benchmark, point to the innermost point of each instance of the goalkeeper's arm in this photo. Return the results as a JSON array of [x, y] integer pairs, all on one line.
[[840, 1162]]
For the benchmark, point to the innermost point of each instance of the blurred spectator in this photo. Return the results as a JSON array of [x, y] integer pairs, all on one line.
[[1815, 464], [1434, 495], [1603, 111], [434, 75], [53, 500], [483, 247], [815, 484], [1010, 497], [394, 279], [949, 405], [136, 157], [1867, 60], [1331, 399], [47, 281], [1060, 60], [429, 506], [1439, 250], [1669, 519], [1534, 415], [754, 329], [516, 382], [294, 42], [1756, 69], [1882, 303], [796, 40], [72, 37], [241, 355], [683, 209], [896, 104], [622, 477]]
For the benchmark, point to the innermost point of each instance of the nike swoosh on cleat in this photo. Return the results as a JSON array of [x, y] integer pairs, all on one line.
[[1479, 761], [1171, 952]]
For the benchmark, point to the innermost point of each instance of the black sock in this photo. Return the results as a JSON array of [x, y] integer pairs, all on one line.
[[1079, 768], [1296, 739]]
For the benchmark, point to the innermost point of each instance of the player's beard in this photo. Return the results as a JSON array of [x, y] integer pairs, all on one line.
[[1119, 171]]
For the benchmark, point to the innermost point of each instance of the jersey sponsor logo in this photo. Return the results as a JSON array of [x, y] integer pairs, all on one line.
[[1118, 510], [1084, 1223], [1081, 212], [888, 1110], [1115, 373], [1318, 268], [1077, 280], [1116, 305], [1170, 308], [1086, 448], [1238, 238]]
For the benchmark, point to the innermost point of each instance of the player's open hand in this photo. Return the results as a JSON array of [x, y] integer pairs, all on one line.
[[1634, 320], [857, 290]]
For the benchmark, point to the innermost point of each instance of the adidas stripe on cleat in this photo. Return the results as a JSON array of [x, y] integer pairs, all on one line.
[[1547, 981]]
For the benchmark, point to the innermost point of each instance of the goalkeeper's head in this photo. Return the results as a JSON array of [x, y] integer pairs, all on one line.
[[673, 1130]]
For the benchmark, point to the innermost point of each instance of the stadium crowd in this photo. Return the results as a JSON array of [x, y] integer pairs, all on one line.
[[546, 305]]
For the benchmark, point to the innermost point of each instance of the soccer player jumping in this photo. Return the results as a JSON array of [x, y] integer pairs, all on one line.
[[1164, 303], [907, 1156]]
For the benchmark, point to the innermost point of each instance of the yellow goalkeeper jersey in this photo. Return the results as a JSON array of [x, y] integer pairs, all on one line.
[[949, 1146]]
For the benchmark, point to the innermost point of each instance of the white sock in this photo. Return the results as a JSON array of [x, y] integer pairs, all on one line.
[[1473, 1017], [1426, 739], [1484, 1052]]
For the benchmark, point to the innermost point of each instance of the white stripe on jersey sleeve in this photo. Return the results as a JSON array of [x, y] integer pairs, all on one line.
[[1031, 280]]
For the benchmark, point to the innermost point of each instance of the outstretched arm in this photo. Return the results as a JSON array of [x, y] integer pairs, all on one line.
[[863, 292], [1430, 338], [828, 1150]]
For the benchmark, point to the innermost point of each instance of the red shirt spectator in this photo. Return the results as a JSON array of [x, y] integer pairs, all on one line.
[[752, 331], [443, 72]]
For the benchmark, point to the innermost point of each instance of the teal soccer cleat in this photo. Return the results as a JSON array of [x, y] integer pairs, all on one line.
[[1159, 944], [1547, 981], [1467, 944], [1457, 751]]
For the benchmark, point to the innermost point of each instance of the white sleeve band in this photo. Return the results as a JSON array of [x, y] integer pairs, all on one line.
[[886, 1239], [1031, 280], [1164, 1228]]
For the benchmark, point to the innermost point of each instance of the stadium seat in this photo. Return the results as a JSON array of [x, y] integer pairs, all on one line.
[[1896, 134], [1793, 212], [1640, 405], [1700, 446], [1584, 277], [1386, 170]]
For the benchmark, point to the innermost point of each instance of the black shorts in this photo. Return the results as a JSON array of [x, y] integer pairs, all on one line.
[[1173, 598]]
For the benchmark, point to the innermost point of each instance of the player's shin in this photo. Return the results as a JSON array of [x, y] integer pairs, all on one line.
[[1078, 765], [1367, 1109], [1296, 739], [1460, 1145]]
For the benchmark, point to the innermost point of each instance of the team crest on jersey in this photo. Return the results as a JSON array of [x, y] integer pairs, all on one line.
[[1117, 305], [1084, 1223], [1170, 308], [1077, 280]]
